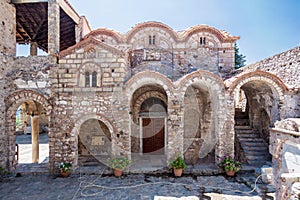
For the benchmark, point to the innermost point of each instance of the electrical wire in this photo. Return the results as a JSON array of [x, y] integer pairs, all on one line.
[[84, 185]]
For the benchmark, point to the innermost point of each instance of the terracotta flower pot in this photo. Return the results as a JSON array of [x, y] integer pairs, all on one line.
[[177, 172], [118, 172], [230, 173], [64, 174]]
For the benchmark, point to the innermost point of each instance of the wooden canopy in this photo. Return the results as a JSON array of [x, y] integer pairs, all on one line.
[[32, 23]]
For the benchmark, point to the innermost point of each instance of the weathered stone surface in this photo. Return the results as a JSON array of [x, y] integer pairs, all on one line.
[[8, 28], [152, 71], [284, 146], [287, 124]]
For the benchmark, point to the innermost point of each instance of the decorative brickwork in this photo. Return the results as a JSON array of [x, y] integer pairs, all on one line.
[[150, 91]]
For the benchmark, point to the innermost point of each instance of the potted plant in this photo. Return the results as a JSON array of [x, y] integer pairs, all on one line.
[[177, 165], [230, 165], [65, 169], [119, 164]]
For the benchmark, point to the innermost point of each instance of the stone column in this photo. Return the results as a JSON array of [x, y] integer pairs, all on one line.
[[53, 27], [33, 48], [35, 138]]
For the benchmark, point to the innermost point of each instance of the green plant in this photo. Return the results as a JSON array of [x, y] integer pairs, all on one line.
[[228, 163], [119, 162], [3, 171], [65, 166], [177, 163]]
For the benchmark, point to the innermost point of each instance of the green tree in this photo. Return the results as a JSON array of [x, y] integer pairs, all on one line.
[[239, 58]]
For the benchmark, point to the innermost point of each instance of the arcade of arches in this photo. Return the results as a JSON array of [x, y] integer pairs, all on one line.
[[108, 93]]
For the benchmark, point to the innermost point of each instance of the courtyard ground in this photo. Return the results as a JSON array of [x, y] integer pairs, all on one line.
[[130, 186], [32, 181]]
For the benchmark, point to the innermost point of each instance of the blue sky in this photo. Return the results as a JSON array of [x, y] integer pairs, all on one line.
[[266, 27]]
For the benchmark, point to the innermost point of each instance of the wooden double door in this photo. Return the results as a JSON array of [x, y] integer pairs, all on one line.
[[153, 135]]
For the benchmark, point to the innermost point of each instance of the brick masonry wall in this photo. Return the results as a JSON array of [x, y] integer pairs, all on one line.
[[61, 88]]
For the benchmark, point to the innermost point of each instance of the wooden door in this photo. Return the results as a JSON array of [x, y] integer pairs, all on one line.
[[153, 135]]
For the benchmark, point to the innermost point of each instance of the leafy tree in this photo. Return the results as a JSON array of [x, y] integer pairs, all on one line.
[[239, 58]]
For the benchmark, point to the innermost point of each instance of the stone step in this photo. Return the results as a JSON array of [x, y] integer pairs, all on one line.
[[243, 127], [245, 135], [242, 122], [258, 148], [251, 139], [255, 152], [241, 117], [257, 163], [253, 144], [257, 157], [245, 131]]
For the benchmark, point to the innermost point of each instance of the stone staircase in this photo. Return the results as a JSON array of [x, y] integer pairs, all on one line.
[[254, 147]]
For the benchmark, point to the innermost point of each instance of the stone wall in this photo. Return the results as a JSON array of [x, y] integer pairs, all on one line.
[[106, 77], [284, 146], [7, 50], [286, 66], [8, 28]]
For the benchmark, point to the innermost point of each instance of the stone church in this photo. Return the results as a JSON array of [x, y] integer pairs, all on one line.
[[151, 91]]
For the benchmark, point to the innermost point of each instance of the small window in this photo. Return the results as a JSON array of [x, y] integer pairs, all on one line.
[[202, 41], [87, 79], [150, 39], [94, 79], [153, 39]]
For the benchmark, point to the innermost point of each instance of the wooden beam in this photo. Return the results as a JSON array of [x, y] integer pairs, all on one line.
[[25, 31], [40, 26], [31, 18]]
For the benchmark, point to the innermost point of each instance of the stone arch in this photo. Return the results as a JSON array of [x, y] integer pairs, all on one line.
[[262, 94], [276, 88], [267, 77], [147, 77], [200, 74], [106, 32], [141, 26], [204, 28], [81, 120], [139, 101], [208, 92], [12, 102], [141, 87]]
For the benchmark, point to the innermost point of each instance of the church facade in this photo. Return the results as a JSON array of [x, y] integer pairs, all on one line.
[[150, 91]]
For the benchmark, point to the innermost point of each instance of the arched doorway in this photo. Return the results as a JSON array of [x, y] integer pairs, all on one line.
[[256, 110], [152, 118], [94, 143], [199, 137], [33, 104], [24, 118], [149, 116]]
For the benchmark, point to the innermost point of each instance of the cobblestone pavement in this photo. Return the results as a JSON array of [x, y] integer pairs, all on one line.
[[131, 187]]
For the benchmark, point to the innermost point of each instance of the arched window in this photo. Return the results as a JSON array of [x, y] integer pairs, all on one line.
[[150, 39], [87, 79], [153, 39], [94, 79], [202, 41]]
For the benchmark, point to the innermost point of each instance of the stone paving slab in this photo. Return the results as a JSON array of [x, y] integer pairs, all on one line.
[[131, 187]]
